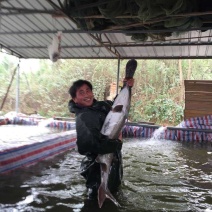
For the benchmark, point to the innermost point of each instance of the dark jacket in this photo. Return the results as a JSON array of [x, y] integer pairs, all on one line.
[[89, 121], [91, 142]]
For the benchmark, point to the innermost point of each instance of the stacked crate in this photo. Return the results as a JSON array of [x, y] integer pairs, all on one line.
[[198, 98]]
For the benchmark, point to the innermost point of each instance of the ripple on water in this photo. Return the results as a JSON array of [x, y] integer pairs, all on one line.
[[159, 175]]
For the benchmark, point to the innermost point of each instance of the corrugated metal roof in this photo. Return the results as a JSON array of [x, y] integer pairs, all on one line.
[[28, 26]]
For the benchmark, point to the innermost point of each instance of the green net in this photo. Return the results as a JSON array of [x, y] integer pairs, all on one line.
[[134, 15]]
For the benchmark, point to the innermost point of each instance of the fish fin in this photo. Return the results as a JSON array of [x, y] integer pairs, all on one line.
[[117, 108], [103, 194], [97, 159], [112, 198]]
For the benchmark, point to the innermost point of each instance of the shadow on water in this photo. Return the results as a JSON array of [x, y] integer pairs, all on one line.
[[159, 175]]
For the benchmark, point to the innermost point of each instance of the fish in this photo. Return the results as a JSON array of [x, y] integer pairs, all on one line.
[[103, 191], [112, 127], [55, 48], [116, 118]]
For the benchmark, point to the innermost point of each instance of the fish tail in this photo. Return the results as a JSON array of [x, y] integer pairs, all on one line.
[[103, 194]]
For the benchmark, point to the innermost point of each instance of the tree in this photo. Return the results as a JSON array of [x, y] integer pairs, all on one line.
[[155, 96]]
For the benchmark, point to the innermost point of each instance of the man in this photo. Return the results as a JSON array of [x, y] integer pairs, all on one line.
[[90, 116]]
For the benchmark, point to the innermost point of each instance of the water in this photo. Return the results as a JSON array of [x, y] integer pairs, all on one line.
[[18, 135], [158, 176], [158, 132]]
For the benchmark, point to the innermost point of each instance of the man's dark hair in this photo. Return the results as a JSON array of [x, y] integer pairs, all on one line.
[[76, 85]]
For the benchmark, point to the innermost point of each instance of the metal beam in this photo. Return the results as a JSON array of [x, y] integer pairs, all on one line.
[[114, 45], [20, 11], [136, 57], [9, 51], [113, 51], [55, 6], [126, 32]]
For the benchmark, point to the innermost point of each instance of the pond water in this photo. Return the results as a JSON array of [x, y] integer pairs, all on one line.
[[159, 175], [18, 135]]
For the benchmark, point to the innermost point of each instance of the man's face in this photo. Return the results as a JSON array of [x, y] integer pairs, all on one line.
[[84, 96]]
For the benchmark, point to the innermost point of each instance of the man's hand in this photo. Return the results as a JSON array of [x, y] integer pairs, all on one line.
[[120, 136], [129, 82]]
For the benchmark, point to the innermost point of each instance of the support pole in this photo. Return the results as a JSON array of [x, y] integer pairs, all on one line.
[[118, 74], [17, 88]]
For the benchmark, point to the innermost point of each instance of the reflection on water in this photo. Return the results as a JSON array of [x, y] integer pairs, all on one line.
[[158, 176]]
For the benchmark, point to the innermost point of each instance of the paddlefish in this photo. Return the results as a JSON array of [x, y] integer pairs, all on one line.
[[112, 127], [103, 191]]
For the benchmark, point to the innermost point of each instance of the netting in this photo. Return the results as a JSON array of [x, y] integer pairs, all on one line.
[[137, 15]]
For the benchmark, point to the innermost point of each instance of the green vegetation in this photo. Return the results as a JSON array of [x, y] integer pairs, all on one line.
[[157, 95]]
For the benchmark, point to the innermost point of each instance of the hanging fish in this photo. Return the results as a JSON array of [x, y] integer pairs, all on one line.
[[55, 48]]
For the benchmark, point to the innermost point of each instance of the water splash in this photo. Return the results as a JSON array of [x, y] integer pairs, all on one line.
[[46, 122], [159, 133]]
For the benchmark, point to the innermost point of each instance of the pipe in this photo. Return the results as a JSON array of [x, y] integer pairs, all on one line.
[[17, 88], [169, 128], [118, 73]]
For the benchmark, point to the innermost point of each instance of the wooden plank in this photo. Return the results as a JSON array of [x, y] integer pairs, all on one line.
[[198, 105], [198, 98], [191, 96], [197, 81], [198, 87], [195, 113], [199, 93], [199, 111]]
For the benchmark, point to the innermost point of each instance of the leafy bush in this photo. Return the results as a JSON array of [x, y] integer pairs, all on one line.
[[163, 110]]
